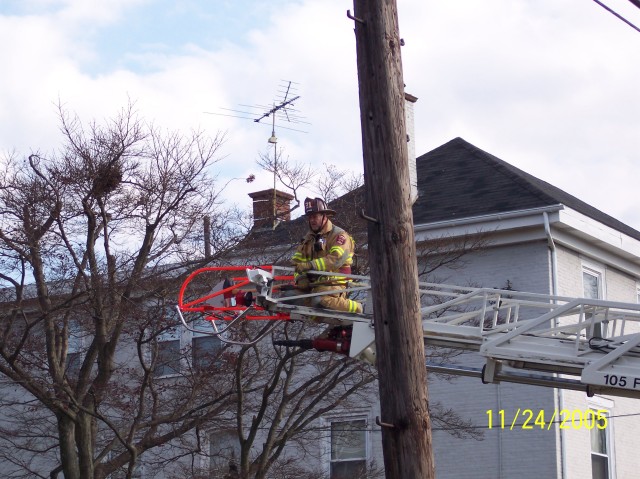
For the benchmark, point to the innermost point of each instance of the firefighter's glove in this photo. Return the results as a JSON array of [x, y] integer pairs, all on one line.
[[302, 267], [302, 282]]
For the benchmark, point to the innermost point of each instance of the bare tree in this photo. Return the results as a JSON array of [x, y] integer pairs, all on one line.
[[93, 242], [292, 176], [87, 240], [282, 395], [329, 183]]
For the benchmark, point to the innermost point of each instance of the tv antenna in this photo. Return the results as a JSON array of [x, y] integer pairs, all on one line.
[[283, 109]]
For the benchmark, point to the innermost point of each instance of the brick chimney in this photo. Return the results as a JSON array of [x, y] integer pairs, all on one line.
[[263, 207]]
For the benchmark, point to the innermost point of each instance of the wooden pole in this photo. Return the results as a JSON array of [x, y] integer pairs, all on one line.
[[406, 425]]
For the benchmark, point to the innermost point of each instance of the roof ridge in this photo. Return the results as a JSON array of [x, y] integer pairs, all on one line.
[[458, 152]]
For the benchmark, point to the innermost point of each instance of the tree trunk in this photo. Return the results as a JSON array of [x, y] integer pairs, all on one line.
[[68, 452], [406, 439]]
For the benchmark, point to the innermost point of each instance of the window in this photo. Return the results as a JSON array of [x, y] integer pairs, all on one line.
[[591, 283], [75, 345], [592, 289], [167, 353], [204, 347], [348, 449], [224, 451], [600, 445]]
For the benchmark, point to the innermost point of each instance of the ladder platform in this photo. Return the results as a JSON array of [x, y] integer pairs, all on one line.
[[596, 341]]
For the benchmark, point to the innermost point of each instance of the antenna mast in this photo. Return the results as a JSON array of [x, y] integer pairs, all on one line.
[[282, 107]]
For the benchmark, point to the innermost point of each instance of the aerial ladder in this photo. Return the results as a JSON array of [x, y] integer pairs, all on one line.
[[571, 343]]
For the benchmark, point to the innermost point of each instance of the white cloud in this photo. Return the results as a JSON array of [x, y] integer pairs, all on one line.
[[547, 86]]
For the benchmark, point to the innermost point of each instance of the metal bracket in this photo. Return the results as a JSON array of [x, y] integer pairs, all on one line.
[[384, 424], [368, 218], [355, 19]]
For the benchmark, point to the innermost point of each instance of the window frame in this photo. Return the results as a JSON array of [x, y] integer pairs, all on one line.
[[230, 442], [169, 335], [75, 347], [193, 336], [601, 404], [597, 271], [329, 421], [186, 349]]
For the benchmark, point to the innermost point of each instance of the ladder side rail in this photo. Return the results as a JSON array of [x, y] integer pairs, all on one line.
[[574, 328], [289, 299], [507, 304], [536, 297], [522, 327], [615, 305], [365, 279], [529, 303], [546, 359], [454, 290], [582, 352], [501, 328], [460, 318], [515, 312], [512, 308], [346, 318], [459, 300], [438, 294], [576, 331]]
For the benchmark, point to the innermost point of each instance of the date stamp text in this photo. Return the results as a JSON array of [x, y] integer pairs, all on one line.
[[529, 419]]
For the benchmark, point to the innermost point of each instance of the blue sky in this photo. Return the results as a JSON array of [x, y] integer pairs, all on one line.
[[548, 86]]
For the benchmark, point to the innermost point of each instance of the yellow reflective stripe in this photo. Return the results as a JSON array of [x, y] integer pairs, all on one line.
[[298, 257], [338, 279], [353, 306], [338, 249], [319, 264]]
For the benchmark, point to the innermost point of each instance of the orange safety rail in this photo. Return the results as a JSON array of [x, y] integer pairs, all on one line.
[[227, 312]]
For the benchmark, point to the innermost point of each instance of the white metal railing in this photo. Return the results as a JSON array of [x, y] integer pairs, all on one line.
[[597, 340]]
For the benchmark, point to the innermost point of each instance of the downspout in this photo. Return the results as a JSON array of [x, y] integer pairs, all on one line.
[[554, 291], [554, 258]]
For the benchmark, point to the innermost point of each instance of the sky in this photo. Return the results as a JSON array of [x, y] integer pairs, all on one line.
[[550, 86]]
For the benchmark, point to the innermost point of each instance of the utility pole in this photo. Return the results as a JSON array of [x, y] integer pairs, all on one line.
[[405, 421]]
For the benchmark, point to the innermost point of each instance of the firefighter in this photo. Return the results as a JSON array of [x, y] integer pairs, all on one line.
[[326, 247]]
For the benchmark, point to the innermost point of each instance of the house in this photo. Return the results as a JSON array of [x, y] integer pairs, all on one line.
[[539, 239], [542, 240]]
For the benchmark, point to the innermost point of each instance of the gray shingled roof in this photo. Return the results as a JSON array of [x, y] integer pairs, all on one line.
[[459, 180]]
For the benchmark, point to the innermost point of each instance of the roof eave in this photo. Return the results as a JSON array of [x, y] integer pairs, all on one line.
[[509, 220]]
